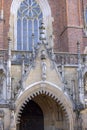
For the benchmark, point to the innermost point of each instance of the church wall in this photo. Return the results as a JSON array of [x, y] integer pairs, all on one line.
[[5, 23], [67, 24]]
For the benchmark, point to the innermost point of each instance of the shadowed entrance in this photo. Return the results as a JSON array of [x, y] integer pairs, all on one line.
[[42, 112], [32, 117]]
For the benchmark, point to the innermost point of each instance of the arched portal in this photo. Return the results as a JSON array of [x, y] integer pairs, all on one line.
[[31, 117], [56, 106], [43, 113]]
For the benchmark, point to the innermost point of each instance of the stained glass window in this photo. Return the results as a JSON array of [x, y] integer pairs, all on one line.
[[29, 18], [86, 16]]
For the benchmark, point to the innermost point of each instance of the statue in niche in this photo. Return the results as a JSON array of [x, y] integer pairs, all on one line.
[[85, 82], [43, 65], [1, 83], [12, 123], [1, 124]]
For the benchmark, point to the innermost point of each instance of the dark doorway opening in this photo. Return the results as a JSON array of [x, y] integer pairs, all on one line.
[[32, 117]]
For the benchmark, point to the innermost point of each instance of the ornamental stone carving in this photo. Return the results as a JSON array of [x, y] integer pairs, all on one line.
[[44, 67], [2, 77], [12, 118], [85, 82]]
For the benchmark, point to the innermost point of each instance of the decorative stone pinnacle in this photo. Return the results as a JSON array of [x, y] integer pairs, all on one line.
[[78, 47], [78, 52], [42, 32]]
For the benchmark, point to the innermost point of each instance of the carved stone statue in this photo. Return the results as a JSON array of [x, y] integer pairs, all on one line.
[[85, 82], [12, 123], [1, 84], [43, 65]]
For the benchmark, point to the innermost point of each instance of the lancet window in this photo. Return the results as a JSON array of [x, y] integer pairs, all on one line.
[[29, 18]]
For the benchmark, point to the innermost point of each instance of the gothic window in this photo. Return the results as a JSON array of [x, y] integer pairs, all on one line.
[[29, 18], [85, 19], [85, 82], [86, 15]]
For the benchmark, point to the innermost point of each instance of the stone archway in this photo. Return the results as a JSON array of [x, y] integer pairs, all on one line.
[[42, 112], [31, 117], [36, 92]]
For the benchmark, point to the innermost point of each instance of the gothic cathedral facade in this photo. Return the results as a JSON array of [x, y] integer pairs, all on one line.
[[43, 64]]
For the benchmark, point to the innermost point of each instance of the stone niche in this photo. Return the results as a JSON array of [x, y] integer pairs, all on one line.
[[85, 83], [2, 85]]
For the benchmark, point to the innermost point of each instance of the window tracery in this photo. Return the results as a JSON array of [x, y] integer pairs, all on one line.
[[29, 18], [85, 20]]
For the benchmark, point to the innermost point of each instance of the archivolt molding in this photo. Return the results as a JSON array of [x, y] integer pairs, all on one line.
[[50, 90], [47, 18]]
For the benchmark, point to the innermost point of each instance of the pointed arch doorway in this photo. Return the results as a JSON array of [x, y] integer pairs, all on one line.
[[32, 117], [43, 113]]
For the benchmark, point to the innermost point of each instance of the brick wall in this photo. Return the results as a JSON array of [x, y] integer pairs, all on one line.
[[1, 34], [67, 25], [58, 9], [6, 17], [73, 29], [4, 24]]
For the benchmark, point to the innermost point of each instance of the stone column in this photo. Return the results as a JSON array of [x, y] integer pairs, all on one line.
[[80, 86], [9, 71]]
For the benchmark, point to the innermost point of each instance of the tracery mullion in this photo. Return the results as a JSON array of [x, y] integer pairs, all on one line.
[[27, 36], [22, 33], [38, 28], [28, 29], [30, 34], [30, 1], [19, 34], [33, 33]]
